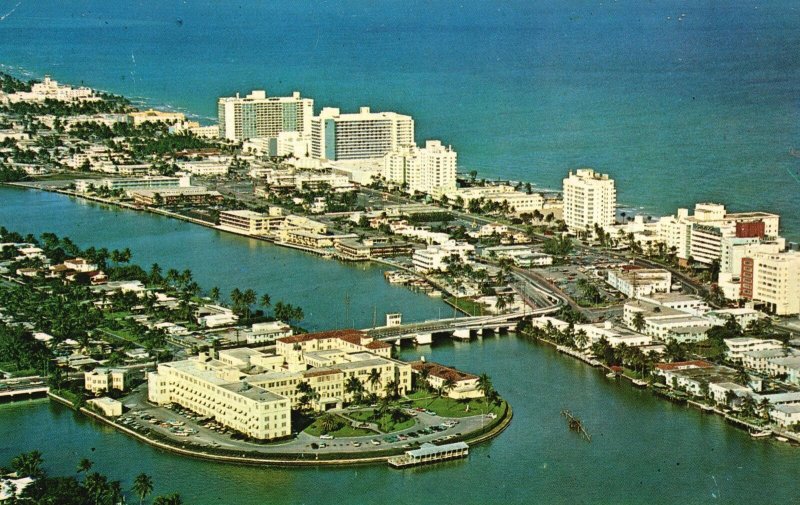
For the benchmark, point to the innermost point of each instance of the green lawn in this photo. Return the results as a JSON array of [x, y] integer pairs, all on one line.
[[120, 334], [344, 432], [386, 424], [467, 305], [117, 315], [14, 371], [447, 407]]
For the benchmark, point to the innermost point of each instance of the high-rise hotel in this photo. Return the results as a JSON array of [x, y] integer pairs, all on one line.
[[259, 115], [590, 198], [359, 136]]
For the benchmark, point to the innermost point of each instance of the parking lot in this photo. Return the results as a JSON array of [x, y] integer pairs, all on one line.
[[184, 426]]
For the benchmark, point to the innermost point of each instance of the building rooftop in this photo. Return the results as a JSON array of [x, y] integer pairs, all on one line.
[[771, 353], [683, 365], [787, 409], [255, 393], [350, 335], [441, 371], [431, 449]]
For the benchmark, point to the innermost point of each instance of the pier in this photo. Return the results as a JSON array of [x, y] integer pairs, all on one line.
[[429, 453]]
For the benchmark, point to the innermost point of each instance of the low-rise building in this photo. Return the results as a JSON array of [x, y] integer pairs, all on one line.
[[268, 332], [103, 380], [785, 415], [205, 168], [195, 195], [455, 383], [615, 335], [768, 361], [155, 116], [737, 347], [370, 248], [215, 316], [436, 257], [107, 406], [130, 183], [635, 282], [249, 222]]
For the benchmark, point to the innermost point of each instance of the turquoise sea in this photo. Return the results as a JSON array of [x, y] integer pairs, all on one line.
[[680, 101]]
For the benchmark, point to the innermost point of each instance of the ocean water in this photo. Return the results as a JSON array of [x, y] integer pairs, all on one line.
[[680, 101]]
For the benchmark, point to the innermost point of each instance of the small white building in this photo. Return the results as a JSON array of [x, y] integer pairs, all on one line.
[[737, 347], [637, 282], [785, 415], [268, 332], [107, 406], [435, 257]]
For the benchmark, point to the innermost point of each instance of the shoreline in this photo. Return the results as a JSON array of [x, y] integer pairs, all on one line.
[[703, 408], [379, 262], [480, 438]]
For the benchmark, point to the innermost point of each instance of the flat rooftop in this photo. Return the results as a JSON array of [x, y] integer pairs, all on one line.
[[255, 393]]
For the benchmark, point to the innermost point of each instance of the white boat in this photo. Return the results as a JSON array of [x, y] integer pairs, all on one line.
[[781, 439]]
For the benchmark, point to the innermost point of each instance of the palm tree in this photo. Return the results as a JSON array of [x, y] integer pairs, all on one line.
[[764, 405], [423, 376], [155, 274], [214, 293], [329, 423], [485, 384], [581, 339], [115, 492], [501, 303], [84, 465], [638, 321], [447, 386], [354, 387], [170, 499], [249, 297], [306, 393], [97, 486], [374, 378], [391, 390], [742, 377], [28, 464], [266, 301], [142, 486]]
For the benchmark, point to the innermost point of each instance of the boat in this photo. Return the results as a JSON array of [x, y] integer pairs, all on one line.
[[611, 375], [761, 434], [781, 439]]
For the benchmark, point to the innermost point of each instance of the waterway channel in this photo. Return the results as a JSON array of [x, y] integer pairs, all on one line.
[[643, 450]]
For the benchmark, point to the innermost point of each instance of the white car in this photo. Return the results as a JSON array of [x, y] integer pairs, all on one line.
[[326, 437]]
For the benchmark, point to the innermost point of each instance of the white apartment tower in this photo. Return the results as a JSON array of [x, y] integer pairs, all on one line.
[[590, 198], [259, 115], [430, 170], [773, 280], [359, 136]]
